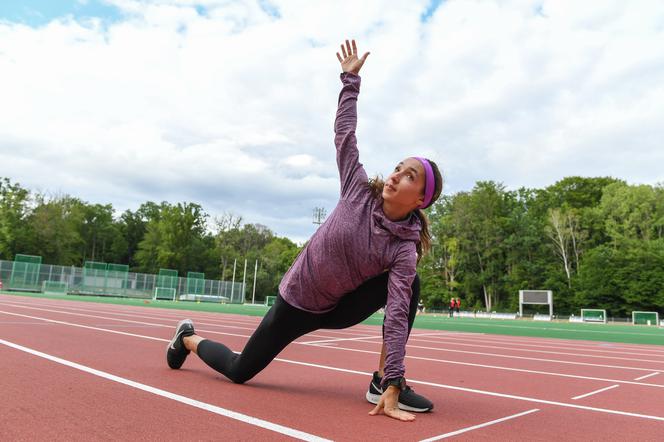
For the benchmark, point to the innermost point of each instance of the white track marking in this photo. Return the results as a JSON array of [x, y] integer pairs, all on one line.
[[595, 392], [361, 338], [152, 324], [349, 349], [433, 384], [557, 361], [487, 393], [599, 347], [528, 350], [498, 367], [173, 396], [647, 376], [475, 427]]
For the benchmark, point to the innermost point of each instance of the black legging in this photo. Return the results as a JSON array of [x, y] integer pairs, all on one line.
[[284, 323]]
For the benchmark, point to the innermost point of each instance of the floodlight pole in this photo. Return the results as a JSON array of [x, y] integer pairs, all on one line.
[[233, 284], [244, 280], [253, 294], [319, 215]]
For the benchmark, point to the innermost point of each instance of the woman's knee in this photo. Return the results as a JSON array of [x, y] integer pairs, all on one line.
[[239, 378]]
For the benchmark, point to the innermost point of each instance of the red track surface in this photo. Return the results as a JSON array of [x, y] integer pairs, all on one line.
[[315, 387]]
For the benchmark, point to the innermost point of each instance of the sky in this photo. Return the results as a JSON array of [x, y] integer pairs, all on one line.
[[231, 104]]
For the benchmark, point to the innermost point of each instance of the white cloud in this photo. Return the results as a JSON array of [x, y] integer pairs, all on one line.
[[231, 105]]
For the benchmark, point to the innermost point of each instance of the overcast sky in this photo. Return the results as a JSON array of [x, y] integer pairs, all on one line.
[[230, 104]]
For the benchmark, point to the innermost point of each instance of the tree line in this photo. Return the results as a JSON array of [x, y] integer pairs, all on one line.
[[596, 242], [65, 230]]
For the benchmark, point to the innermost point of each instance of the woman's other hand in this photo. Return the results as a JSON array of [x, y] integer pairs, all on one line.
[[389, 405]]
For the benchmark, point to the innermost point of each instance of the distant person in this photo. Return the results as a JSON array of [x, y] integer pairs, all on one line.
[[362, 258], [452, 306], [457, 306], [420, 307]]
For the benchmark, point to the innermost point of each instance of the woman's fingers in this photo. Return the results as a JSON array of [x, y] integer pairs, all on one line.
[[377, 409], [341, 60], [350, 51], [343, 51], [354, 48]]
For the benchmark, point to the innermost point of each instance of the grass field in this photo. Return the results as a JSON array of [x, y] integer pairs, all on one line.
[[562, 330]]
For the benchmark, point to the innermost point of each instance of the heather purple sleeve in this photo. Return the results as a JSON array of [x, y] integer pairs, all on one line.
[[402, 274], [353, 177]]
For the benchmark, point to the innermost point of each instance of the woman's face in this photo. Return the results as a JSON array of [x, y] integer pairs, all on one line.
[[405, 186]]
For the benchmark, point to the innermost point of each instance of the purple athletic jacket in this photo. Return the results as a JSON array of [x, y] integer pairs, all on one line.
[[357, 242]]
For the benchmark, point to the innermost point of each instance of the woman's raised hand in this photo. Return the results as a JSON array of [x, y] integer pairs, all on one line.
[[348, 58]]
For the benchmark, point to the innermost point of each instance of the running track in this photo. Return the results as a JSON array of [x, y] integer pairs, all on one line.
[[80, 371]]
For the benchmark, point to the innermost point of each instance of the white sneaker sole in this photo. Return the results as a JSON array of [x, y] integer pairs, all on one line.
[[375, 398]]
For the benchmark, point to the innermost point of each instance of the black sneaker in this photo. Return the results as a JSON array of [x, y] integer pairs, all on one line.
[[408, 399], [176, 352]]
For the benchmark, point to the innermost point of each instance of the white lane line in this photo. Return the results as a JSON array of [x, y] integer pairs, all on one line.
[[526, 358], [499, 367], [334, 346], [529, 350], [487, 393], [647, 376], [413, 381], [173, 396], [361, 338], [134, 321], [595, 392], [475, 427], [517, 343], [327, 341], [557, 361]]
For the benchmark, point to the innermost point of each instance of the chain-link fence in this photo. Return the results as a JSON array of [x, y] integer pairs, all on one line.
[[80, 281]]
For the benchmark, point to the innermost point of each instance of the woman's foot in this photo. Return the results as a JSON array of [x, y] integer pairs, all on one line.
[[408, 399], [176, 352]]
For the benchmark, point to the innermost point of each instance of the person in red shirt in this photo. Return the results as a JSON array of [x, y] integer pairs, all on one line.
[[457, 305], [452, 306]]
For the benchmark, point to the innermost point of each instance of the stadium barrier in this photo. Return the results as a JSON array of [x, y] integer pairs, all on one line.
[[113, 281]]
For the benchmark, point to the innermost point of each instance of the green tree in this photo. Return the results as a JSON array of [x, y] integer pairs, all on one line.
[[54, 230], [14, 210], [175, 238]]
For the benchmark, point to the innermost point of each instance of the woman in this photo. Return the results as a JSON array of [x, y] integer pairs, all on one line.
[[361, 259]]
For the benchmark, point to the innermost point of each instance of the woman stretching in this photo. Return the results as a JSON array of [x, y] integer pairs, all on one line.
[[361, 259]]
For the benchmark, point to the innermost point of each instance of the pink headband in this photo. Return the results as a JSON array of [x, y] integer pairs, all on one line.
[[429, 182]]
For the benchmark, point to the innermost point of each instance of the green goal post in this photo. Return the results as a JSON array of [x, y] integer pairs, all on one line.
[[94, 277], [55, 287], [195, 283], [645, 318], [117, 276], [167, 278], [25, 273], [269, 300], [593, 315]]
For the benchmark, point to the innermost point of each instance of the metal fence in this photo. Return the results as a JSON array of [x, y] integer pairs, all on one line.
[[111, 283]]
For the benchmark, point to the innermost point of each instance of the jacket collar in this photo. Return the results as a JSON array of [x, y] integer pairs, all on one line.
[[408, 229]]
